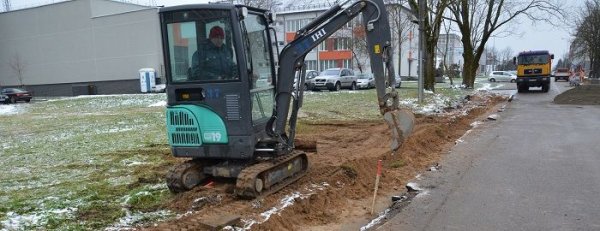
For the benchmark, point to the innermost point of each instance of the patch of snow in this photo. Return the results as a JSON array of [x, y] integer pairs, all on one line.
[[130, 163], [11, 109], [120, 180], [130, 219], [375, 221], [283, 203], [114, 130], [15, 221], [159, 104], [476, 124], [488, 87], [414, 186]]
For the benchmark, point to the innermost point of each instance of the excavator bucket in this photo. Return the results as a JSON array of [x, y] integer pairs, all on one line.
[[401, 122]]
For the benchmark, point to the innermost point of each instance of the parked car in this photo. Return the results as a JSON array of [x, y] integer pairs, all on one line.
[[334, 79], [16, 94], [308, 78], [497, 76], [4, 99], [365, 80]]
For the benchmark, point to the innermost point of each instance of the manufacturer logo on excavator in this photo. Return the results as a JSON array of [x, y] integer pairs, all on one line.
[[317, 35]]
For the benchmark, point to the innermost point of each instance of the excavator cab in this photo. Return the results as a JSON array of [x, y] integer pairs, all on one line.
[[219, 68], [232, 113]]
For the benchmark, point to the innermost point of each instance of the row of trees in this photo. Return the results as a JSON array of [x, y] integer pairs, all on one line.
[[476, 20], [587, 36]]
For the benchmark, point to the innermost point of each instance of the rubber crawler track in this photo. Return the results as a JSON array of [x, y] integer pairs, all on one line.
[[246, 179]]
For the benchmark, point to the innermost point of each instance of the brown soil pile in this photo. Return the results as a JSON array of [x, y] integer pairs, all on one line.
[[338, 188], [580, 95]]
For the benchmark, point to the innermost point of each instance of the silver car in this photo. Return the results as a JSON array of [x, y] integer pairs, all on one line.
[[334, 79], [498, 76], [308, 78], [365, 81]]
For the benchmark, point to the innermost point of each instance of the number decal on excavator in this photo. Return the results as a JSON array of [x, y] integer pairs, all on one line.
[[212, 136]]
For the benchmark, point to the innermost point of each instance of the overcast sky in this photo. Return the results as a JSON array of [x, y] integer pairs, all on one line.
[[523, 35]]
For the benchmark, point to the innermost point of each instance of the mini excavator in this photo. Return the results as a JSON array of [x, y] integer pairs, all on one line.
[[234, 125]]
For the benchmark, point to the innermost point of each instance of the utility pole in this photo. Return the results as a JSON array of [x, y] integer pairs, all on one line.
[[422, 15]]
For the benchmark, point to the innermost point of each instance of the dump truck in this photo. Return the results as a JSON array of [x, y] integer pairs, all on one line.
[[533, 70]]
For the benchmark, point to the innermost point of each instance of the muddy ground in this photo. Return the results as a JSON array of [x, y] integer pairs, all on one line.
[[336, 194]]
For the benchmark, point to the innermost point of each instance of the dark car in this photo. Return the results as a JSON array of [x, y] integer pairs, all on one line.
[[16, 94]]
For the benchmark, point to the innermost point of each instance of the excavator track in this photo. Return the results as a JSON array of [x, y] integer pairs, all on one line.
[[185, 176], [270, 176]]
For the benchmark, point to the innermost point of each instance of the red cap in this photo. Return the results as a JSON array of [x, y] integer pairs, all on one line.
[[216, 31]]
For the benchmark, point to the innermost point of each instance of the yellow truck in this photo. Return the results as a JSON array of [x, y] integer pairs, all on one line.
[[533, 70]]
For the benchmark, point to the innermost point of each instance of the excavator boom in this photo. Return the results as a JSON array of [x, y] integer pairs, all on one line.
[[378, 36]]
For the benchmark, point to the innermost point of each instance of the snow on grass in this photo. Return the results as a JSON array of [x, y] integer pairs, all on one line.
[[131, 219], [68, 148], [375, 221], [158, 104], [285, 202], [15, 221], [12, 109]]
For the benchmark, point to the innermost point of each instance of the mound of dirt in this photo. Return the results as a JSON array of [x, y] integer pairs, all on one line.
[[580, 95], [337, 191]]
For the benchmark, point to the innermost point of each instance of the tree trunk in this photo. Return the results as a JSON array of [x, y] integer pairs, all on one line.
[[429, 83], [469, 69]]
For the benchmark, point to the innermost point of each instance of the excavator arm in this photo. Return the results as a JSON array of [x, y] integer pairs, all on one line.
[[291, 61]]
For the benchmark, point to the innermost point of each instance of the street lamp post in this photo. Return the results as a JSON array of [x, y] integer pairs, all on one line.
[[422, 10]]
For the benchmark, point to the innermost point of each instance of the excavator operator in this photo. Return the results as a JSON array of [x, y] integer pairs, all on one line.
[[213, 60]]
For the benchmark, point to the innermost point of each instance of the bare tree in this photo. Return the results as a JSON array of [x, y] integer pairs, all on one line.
[[17, 65], [586, 41], [400, 25], [358, 45], [444, 50], [478, 20], [263, 4], [505, 56], [432, 24]]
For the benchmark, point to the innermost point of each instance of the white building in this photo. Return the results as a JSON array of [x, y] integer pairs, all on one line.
[[79, 47], [450, 47]]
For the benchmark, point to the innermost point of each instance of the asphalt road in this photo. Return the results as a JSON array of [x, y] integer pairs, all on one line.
[[535, 168]]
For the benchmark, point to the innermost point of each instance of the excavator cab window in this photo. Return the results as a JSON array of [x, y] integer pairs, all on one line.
[[201, 47], [259, 59]]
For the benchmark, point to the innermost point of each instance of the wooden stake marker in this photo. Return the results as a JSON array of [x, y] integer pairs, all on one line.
[[376, 185]]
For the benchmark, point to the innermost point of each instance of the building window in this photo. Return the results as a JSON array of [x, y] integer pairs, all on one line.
[[295, 25], [311, 64], [322, 46], [326, 64], [348, 63], [341, 44]]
